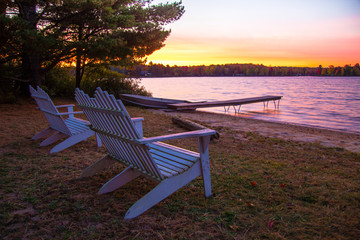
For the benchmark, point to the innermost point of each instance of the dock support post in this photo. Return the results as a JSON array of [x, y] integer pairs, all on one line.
[[228, 108], [238, 109], [277, 106], [266, 104]]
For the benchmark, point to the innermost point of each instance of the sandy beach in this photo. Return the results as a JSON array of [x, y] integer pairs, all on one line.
[[217, 121], [325, 137]]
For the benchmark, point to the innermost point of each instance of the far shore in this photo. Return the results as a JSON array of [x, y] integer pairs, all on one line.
[[287, 131]]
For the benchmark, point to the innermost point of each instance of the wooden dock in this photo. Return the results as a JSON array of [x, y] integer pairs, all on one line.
[[226, 103]]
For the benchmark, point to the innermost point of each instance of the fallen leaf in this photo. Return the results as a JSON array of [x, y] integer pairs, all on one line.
[[234, 227], [29, 210], [270, 224]]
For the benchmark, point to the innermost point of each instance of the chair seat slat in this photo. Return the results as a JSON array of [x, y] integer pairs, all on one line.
[[75, 126], [170, 164], [81, 120], [180, 162], [177, 152], [74, 122], [168, 172]]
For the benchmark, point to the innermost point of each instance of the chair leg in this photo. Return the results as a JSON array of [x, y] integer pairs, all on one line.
[[43, 133], [98, 166], [163, 190], [53, 138], [72, 140], [98, 140], [119, 180], [205, 164]]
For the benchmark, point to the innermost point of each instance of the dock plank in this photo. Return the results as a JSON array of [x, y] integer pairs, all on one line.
[[233, 102]]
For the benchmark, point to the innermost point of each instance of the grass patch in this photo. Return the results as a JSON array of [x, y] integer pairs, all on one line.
[[263, 188]]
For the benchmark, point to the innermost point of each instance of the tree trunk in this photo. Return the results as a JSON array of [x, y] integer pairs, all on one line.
[[190, 125], [31, 68], [78, 69], [31, 62], [79, 65]]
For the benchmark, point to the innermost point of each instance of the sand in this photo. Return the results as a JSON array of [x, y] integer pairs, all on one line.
[[323, 136], [18, 120]]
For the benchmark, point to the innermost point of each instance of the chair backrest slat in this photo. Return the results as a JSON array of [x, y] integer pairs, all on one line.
[[49, 110], [117, 131], [126, 124], [125, 127]]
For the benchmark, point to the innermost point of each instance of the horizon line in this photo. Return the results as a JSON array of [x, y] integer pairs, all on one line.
[[258, 64]]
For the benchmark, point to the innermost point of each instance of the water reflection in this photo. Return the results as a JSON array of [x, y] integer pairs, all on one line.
[[332, 102]]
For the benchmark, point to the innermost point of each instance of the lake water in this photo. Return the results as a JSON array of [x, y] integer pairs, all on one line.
[[329, 102]]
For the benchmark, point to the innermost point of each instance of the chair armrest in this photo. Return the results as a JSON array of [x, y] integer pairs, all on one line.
[[70, 110], [197, 133], [69, 113], [68, 105], [137, 119]]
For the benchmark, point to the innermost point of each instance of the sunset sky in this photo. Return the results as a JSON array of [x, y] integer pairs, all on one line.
[[269, 32]]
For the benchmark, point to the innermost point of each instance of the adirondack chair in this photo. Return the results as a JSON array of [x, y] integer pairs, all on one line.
[[171, 166], [75, 129]]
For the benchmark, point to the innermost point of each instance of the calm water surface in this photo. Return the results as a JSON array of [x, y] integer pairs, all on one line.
[[330, 102]]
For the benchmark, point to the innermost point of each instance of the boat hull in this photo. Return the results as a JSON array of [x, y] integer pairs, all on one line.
[[149, 102]]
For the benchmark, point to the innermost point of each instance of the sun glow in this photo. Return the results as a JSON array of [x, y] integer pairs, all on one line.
[[276, 52]]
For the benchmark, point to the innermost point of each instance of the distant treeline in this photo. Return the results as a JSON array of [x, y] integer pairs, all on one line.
[[160, 70]]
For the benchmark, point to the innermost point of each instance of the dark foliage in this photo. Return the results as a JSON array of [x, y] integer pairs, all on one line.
[[38, 35], [160, 70]]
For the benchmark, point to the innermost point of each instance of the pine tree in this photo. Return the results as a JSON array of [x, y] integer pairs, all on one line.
[[80, 32]]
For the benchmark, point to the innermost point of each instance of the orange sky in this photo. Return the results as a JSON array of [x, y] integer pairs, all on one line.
[[277, 33]]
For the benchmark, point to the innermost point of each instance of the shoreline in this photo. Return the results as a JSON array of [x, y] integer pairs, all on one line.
[[327, 137], [241, 126], [290, 123]]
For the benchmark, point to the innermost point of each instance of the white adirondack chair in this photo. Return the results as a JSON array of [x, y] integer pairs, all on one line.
[[171, 166], [75, 129]]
